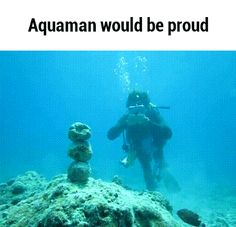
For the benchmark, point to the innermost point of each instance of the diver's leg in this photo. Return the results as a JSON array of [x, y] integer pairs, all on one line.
[[158, 156], [145, 161], [162, 172], [159, 160]]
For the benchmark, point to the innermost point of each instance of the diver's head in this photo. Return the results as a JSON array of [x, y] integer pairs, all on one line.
[[138, 98]]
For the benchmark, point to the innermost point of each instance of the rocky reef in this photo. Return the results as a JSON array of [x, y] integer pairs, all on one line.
[[216, 206], [30, 200]]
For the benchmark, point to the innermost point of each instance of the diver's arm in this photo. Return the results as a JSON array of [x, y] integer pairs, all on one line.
[[155, 117], [115, 131], [161, 131]]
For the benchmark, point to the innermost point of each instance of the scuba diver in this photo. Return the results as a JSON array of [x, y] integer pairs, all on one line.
[[145, 134]]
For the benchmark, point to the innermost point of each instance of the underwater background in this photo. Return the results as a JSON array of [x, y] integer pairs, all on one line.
[[43, 93]]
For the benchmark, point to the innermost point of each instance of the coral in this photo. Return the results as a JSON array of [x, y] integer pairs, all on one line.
[[117, 180], [79, 172], [97, 203], [53, 218], [79, 131], [18, 188], [81, 151]]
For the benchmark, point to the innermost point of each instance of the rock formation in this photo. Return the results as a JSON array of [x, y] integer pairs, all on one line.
[[60, 202], [81, 151]]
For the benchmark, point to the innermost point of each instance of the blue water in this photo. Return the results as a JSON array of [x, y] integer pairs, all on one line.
[[43, 93]]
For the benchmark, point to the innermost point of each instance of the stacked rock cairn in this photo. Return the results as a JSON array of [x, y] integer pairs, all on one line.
[[81, 151]]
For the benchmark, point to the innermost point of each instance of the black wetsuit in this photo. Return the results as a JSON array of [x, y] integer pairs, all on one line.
[[156, 129]]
